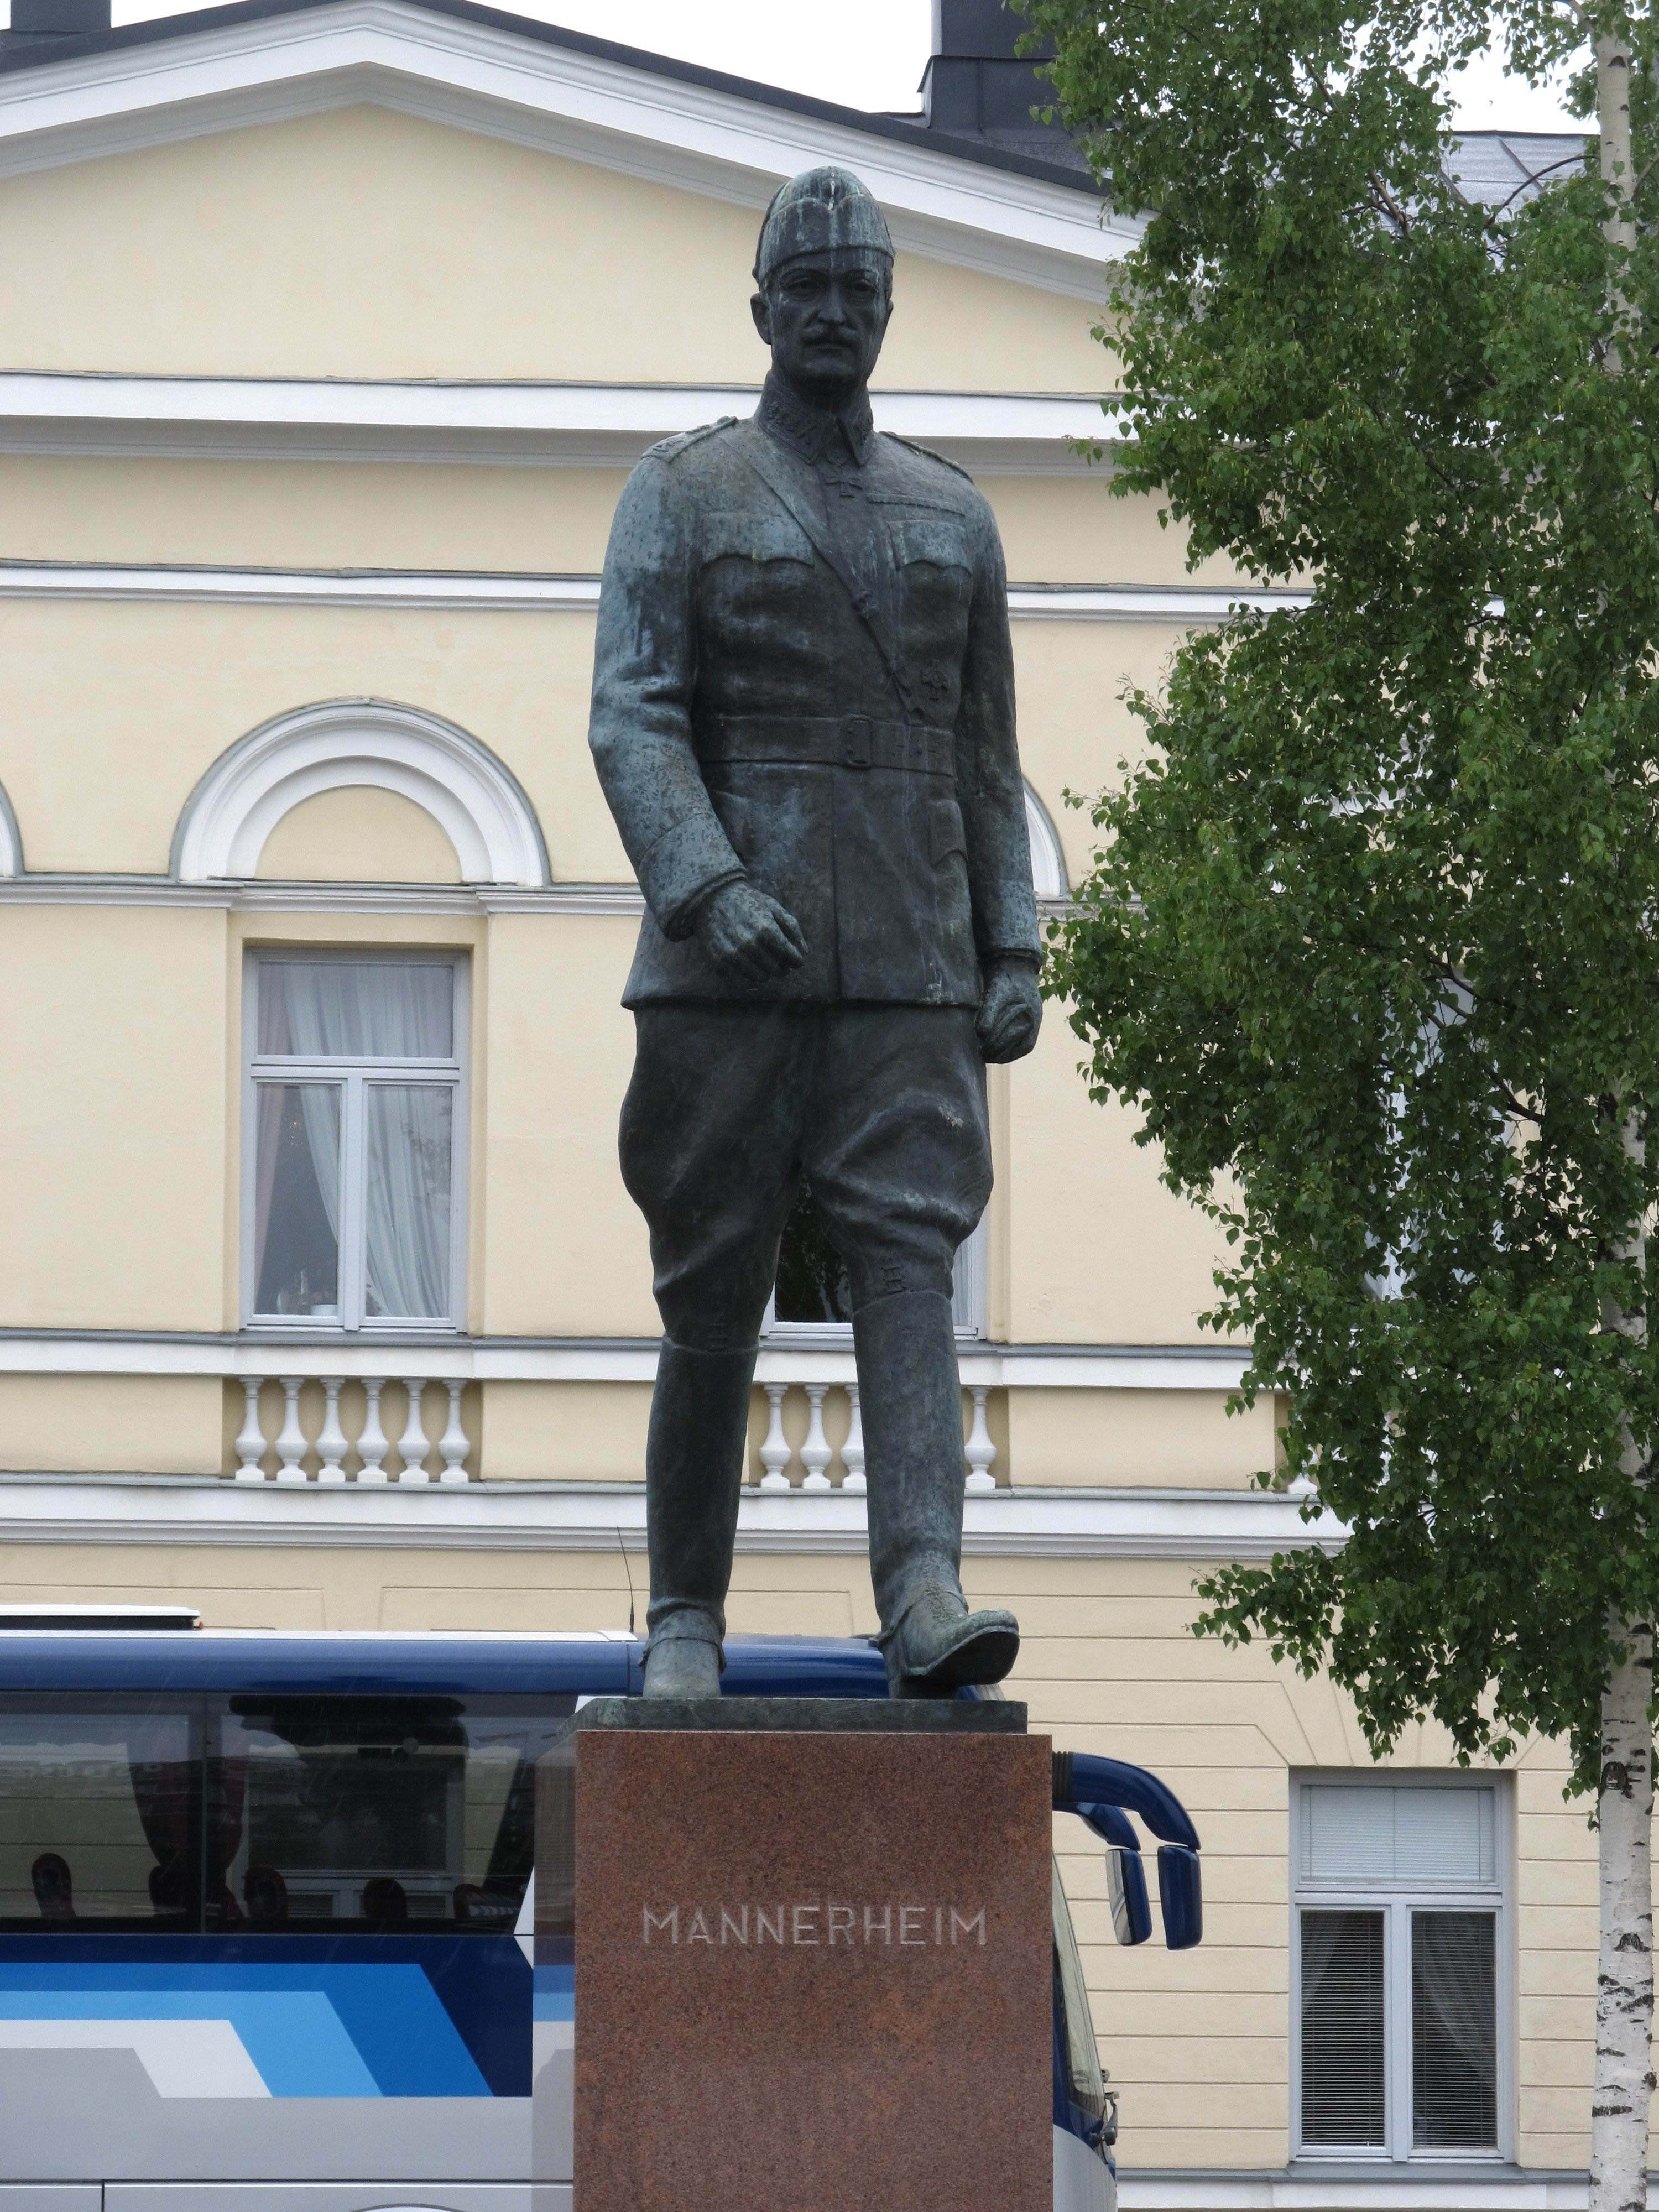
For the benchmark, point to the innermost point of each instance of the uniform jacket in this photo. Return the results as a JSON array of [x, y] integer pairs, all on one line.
[[745, 721]]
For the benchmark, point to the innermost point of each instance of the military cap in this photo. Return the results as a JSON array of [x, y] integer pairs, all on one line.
[[815, 212]]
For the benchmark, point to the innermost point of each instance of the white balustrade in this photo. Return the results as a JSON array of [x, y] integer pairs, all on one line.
[[327, 1452], [809, 1468], [331, 1449]]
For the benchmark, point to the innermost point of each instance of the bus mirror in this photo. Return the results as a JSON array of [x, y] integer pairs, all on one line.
[[1126, 1886], [1179, 1896]]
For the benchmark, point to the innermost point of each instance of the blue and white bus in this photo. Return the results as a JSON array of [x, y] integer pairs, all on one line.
[[267, 1926]]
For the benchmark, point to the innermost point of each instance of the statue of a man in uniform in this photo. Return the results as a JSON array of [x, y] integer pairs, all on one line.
[[804, 722]]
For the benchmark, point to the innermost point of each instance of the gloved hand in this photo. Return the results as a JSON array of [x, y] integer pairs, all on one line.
[[750, 938], [1011, 1012]]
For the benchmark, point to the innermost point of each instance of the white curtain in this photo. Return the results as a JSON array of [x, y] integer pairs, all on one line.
[[320, 1104], [356, 1010], [378, 1010], [408, 1226]]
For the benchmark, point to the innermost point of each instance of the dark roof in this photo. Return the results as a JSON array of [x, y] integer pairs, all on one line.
[[1021, 153]]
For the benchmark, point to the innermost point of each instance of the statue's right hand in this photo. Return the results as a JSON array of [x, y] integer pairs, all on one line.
[[750, 938]]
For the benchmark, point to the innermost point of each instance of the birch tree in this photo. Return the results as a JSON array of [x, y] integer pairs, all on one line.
[[1372, 939]]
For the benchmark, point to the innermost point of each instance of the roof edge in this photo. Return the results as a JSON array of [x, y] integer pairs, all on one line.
[[21, 53]]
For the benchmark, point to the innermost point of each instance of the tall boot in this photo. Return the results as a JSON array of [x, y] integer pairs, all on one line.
[[911, 1398], [694, 1458]]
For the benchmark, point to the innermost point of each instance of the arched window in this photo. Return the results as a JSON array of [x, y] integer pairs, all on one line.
[[1047, 862], [475, 799]]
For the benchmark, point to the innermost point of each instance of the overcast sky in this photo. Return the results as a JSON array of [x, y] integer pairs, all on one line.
[[873, 57]]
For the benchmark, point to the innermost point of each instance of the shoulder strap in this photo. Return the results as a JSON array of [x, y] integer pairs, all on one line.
[[863, 602]]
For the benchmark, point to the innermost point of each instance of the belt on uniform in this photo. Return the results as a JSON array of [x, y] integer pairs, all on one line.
[[828, 741]]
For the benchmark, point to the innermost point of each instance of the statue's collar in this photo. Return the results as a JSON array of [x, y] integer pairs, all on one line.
[[817, 434]]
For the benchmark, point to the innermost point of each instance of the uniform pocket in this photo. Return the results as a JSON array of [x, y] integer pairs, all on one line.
[[945, 835], [731, 535], [737, 818], [941, 544]]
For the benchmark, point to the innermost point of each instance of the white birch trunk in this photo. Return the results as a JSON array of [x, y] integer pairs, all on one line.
[[1624, 1980], [1621, 2102]]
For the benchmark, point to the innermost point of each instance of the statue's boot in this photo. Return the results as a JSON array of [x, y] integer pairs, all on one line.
[[911, 1399], [694, 1458], [686, 1667]]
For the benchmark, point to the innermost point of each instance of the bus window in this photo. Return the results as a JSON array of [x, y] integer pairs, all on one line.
[[383, 1814], [99, 1816]]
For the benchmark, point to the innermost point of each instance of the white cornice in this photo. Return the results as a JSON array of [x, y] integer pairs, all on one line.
[[559, 1516], [587, 1359], [478, 592], [494, 424], [254, 896], [427, 591], [484, 78]]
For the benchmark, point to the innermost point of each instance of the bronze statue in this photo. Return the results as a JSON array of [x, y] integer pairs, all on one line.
[[804, 723]]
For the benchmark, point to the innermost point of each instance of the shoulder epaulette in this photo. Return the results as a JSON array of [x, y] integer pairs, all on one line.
[[926, 454], [670, 449]]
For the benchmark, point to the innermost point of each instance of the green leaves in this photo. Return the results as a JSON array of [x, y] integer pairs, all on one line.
[[1372, 939]]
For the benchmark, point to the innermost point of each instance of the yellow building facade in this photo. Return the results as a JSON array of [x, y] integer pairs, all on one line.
[[327, 337]]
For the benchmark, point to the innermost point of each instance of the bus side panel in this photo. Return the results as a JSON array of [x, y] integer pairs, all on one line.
[[265, 2059]]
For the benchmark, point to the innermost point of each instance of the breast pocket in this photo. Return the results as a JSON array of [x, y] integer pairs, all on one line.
[[936, 581], [739, 536], [936, 545]]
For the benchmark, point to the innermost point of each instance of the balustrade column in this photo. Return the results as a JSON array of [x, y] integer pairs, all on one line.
[[452, 1445], [816, 1453], [852, 1452], [979, 1451], [775, 1453], [251, 1443], [373, 1445], [412, 1446], [291, 1444], [331, 1444]]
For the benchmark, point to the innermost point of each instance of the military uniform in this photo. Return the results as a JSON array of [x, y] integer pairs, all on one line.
[[744, 721], [803, 679]]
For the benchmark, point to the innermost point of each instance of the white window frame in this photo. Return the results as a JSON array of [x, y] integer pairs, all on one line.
[[1397, 1901], [966, 1305], [354, 1076]]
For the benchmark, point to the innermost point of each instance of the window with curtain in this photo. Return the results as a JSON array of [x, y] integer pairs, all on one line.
[[1399, 1908], [355, 1103]]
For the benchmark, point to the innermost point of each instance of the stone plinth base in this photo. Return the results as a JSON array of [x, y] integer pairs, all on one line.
[[813, 1958]]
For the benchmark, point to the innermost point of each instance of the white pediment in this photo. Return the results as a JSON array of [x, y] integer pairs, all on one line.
[[587, 107]]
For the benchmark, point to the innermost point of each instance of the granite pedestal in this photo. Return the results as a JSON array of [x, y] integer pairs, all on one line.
[[813, 1954]]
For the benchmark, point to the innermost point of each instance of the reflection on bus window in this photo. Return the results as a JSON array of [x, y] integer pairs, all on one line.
[[98, 1816], [382, 1813]]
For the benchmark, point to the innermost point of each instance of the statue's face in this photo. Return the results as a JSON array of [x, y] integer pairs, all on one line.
[[824, 316]]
